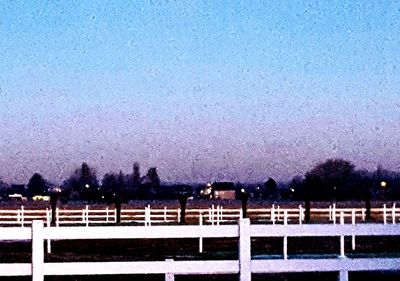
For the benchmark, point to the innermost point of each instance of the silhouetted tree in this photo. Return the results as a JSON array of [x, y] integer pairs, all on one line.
[[332, 179], [296, 188], [4, 189], [136, 173], [37, 185], [109, 186], [84, 182], [151, 183], [269, 190]]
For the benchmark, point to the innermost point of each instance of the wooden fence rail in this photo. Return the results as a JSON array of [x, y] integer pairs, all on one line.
[[244, 265], [214, 215]]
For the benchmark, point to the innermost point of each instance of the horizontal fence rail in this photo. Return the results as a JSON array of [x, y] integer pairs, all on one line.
[[244, 265], [215, 215]]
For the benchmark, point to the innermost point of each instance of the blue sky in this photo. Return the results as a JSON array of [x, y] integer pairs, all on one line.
[[204, 90]]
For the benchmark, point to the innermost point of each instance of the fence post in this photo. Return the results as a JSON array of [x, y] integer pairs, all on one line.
[[342, 236], [212, 214], [200, 238], [334, 213], [178, 215], [384, 213], [107, 214], [244, 250], [87, 215], [37, 251], [273, 214], [57, 217], [353, 222], [285, 222], [22, 215], [48, 225], [218, 211], [343, 275], [394, 213], [165, 213], [278, 213], [169, 276], [300, 214]]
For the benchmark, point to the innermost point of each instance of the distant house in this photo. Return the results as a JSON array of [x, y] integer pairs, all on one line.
[[224, 190], [16, 197]]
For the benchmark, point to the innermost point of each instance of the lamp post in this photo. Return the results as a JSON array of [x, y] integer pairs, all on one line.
[[383, 185]]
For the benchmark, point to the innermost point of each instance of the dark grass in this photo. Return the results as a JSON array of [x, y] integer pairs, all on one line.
[[188, 249]]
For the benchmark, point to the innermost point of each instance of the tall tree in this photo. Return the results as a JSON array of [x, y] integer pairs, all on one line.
[[151, 183], [37, 185], [269, 190], [136, 173], [84, 182], [332, 179]]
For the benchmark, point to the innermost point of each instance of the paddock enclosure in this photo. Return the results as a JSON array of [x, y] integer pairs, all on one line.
[[213, 214]]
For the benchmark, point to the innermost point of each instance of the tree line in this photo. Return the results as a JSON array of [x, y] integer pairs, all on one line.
[[331, 180]]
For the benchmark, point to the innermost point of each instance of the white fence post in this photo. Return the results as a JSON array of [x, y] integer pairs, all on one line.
[[48, 225], [353, 222], [384, 213], [87, 215], [342, 236], [300, 214], [165, 214], [218, 214], [273, 214], [334, 213], [37, 251], [57, 217], [244, 250], [169, 276], [285, 221], [212, 214], [200, 238], [22, 216], [394, 213], [107, 214], [278, 213], [343, 275]]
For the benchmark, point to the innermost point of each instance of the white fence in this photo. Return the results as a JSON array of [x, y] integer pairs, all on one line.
[[244, 265], [214, 215]]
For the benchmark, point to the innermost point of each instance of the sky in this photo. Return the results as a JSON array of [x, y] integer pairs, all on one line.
[[202, 90]]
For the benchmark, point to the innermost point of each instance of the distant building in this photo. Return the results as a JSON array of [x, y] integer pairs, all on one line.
[[16, 197], [224, 190]]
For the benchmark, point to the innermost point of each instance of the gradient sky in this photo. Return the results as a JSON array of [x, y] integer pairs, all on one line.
[[204, 90]]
